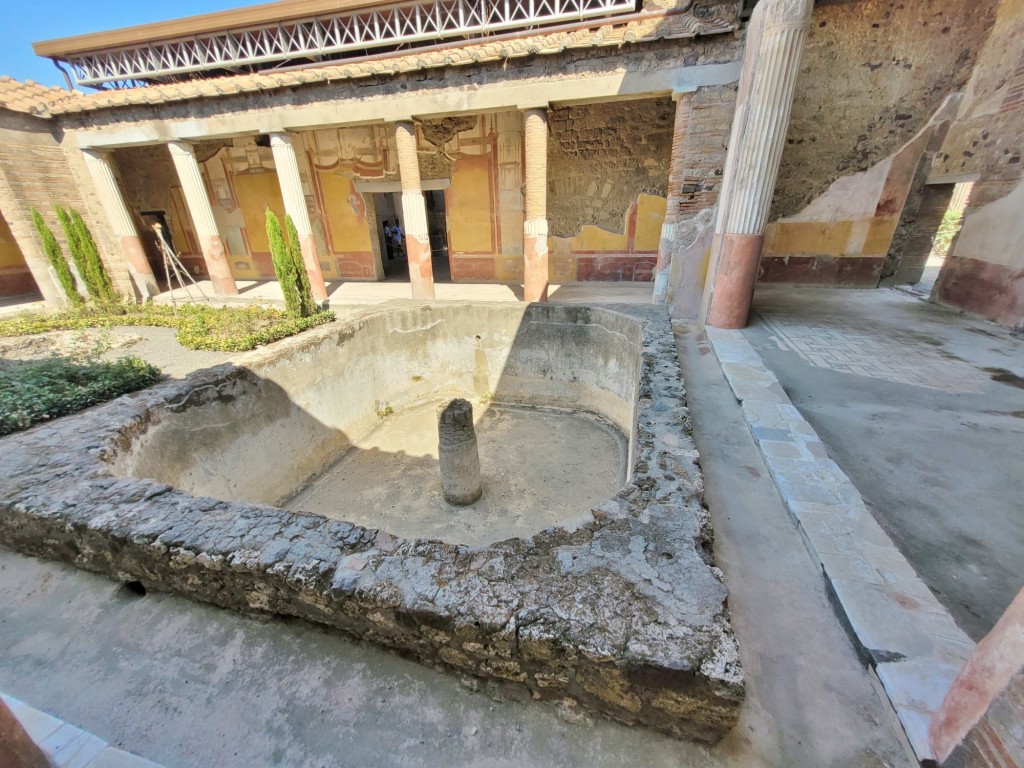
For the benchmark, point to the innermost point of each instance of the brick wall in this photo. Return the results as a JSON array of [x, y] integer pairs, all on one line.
[[34, 173]]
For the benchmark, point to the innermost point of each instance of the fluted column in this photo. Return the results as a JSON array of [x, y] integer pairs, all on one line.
[[414, 211], [295, 206], [121, 221], [198, 203], [535, 218], [771, 63], [676, 175]]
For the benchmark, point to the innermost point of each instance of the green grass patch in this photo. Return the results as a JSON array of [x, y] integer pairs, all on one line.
[[38, 391], [224, 329]]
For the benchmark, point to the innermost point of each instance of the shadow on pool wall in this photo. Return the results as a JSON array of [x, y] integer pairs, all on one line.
[[624, 615]]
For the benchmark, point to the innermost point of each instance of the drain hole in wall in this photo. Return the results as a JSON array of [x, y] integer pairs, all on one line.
[[135, 588]]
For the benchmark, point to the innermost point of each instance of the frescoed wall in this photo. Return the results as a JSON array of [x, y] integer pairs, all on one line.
[[15, 278], [607, 185]]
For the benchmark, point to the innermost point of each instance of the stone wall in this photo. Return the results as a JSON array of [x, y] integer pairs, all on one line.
[[624, 616], [607, 184], [872, 77], [984, 274]]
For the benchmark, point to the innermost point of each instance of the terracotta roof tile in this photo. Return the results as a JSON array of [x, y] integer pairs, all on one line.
[[30, 97]]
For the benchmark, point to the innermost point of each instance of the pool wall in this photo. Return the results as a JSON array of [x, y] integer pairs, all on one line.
[[625, 616]]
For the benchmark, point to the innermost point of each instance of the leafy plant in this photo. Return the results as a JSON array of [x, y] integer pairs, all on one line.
[[225, 329], [946, 232], [44, 390], [55, 256], [286, 254]]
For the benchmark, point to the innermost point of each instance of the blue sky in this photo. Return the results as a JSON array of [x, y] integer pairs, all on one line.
[[23, 22]]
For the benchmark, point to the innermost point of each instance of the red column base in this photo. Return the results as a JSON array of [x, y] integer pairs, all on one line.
[[734, 283]]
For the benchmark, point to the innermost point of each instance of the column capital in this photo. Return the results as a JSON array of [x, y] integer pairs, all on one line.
[[280, 139], [181, 148], [541, 106]]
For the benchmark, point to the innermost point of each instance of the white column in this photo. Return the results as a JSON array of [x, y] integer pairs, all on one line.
[[770, 66], [414, 211], [535, 216], [198, 203], [295, 206], [121, 221]]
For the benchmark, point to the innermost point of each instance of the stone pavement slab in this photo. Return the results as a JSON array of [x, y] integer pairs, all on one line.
[[67, 746], [897, 624]]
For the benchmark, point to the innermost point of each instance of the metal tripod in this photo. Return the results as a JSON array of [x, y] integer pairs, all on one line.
[[173, 266]]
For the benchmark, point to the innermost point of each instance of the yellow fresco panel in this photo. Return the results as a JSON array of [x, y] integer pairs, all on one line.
[[255, 193], [650, 215], [468, 200], [345, 212], [10, 253], [593, 238]]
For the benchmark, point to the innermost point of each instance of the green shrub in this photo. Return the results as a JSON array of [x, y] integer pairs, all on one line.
[[77, 254], [225, 329], [93, 263], [284, 265], [85, 255], [306, 303], [39, 391], [56, 258]]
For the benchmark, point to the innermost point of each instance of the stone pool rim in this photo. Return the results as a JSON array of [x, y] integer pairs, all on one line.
[[625, 616]]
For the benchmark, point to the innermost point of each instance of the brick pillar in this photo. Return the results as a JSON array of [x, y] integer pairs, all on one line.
[[535, 219], [414, 210], [775, 42], [121, 221], [676, 173], [198, 203], [295, 206]]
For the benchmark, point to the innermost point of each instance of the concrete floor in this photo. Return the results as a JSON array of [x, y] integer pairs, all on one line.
[[540, 468], [923, 409], [189, 685]]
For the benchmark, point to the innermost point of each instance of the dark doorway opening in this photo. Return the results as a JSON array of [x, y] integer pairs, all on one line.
[[387, 208]]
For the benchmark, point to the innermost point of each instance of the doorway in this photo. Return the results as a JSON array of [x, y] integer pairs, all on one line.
[[386, 199], [933, 234]]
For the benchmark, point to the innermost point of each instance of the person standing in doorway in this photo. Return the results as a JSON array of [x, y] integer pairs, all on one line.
[[389, 243], [398, 238]]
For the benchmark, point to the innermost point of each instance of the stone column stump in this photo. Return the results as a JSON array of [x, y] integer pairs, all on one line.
[[457, 450]]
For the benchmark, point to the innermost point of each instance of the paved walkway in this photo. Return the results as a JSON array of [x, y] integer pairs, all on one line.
[[923, 408]]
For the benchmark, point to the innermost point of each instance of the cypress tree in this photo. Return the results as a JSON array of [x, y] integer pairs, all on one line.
[[306, 303], [98, 276], [284, 266], [56, 258], [75, 246]]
